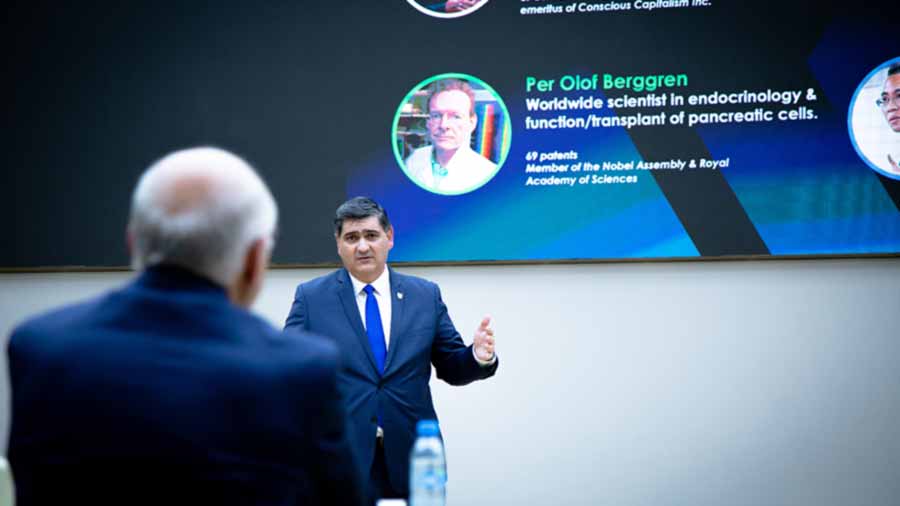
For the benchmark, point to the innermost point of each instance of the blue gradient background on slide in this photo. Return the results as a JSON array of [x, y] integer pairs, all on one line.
[[801, 182], [506, 220]]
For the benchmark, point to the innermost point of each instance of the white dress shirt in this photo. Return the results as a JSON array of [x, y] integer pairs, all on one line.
[[382, 294]]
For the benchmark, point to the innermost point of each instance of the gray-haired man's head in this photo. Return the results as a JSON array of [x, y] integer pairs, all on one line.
[[207, 211]]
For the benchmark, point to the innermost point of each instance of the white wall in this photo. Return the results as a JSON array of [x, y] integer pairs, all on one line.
[[720, 383]]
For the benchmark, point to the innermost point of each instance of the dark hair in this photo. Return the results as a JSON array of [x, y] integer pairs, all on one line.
[[359, 208], [448, 85], [894, 69]]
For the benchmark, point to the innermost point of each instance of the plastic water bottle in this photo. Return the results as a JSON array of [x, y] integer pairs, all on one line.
[[427, 470]]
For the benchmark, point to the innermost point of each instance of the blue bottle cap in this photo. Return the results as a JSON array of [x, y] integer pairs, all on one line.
[[427, 428]]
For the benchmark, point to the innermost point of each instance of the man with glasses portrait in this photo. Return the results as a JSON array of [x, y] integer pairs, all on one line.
[[449, 164]]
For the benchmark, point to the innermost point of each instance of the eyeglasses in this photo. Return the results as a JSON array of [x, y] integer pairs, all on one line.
[[450, 117], [885, 100]]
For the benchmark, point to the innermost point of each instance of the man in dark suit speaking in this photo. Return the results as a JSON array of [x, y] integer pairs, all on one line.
[[167, 390], [390, 328]]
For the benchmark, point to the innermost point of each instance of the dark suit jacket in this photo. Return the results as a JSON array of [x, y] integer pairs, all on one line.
[[163, 392], [421, 335]]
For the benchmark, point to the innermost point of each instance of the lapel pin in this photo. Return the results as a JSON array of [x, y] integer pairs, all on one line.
[[400, 295]]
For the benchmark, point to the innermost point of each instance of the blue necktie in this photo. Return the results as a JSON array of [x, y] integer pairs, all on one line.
[[374, 328]]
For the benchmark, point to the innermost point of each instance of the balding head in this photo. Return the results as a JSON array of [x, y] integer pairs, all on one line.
[[202, 209]]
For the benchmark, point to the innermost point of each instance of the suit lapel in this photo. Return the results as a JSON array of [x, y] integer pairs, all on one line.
[[398, 305], [348, 300]]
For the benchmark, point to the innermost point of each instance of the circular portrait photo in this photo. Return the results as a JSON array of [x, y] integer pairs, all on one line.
[[448, 9], [874, 119], [451, 134]]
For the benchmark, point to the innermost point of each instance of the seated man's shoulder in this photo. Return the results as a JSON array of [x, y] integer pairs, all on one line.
[[306, 355], [305, 345], [55, 324]]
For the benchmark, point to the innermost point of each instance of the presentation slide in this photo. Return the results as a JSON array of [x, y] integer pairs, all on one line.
[[490, 130]]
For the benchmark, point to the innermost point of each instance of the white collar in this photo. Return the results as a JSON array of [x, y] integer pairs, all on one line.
[[382, 285]]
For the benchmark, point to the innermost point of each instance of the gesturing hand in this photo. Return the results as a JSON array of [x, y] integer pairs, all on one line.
[[484, 340]]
